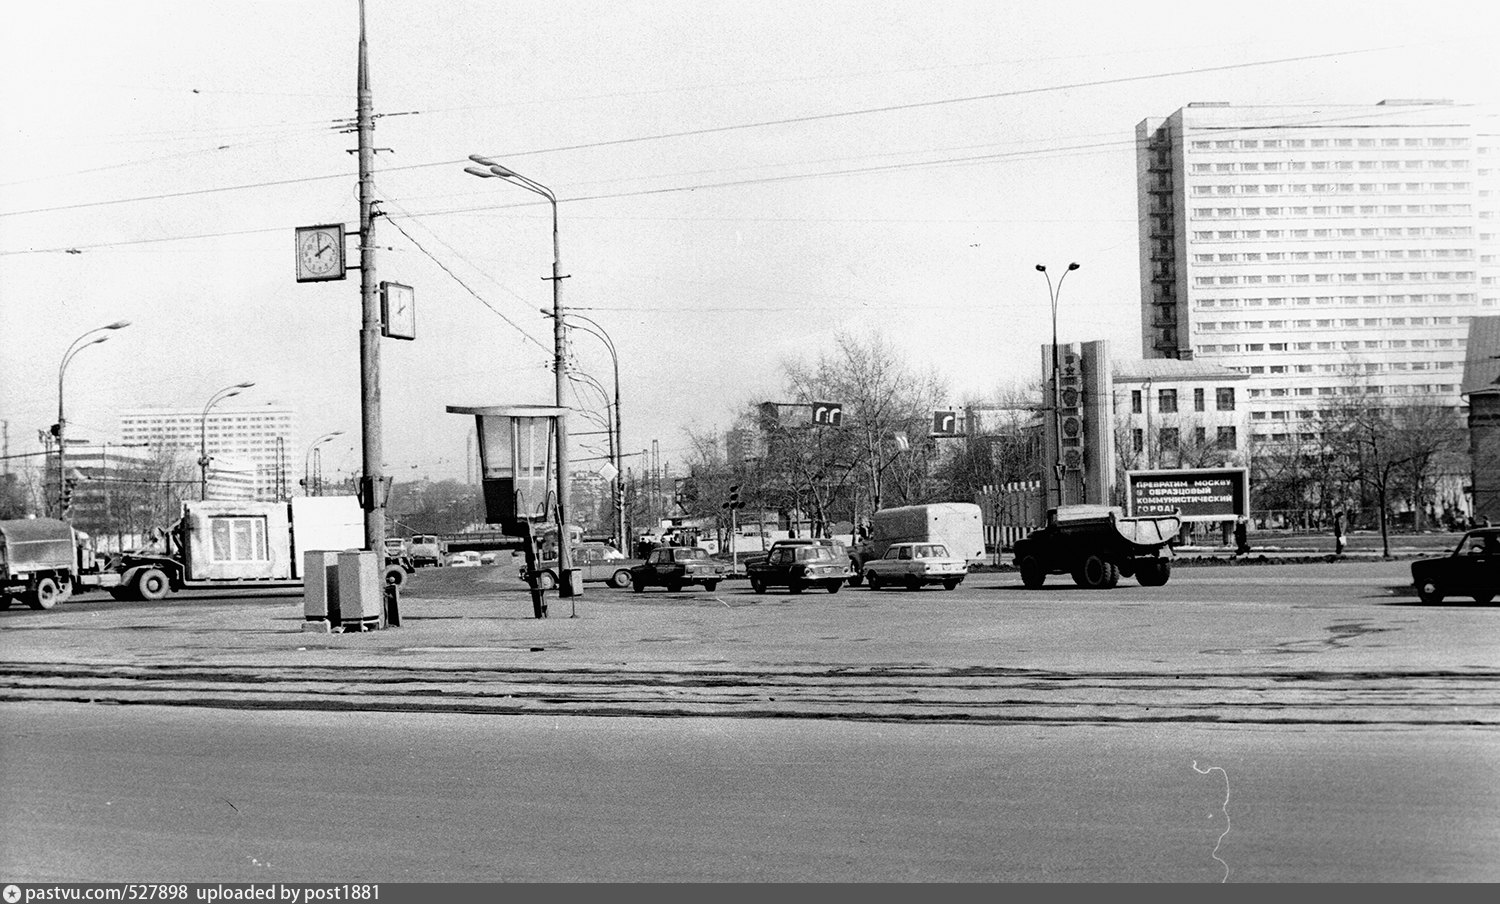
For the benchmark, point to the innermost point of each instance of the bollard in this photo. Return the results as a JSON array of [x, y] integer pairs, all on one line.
[[320, 590]]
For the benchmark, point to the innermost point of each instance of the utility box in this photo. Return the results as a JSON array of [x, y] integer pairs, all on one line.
[[361, 596], [320, 590]]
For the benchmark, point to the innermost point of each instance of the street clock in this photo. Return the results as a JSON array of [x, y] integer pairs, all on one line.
[[398, 311], [320, 252]]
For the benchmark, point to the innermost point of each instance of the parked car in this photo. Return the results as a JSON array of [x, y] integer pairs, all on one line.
[[1472, 569], [596, 562], [798, 566], [469, 559], [911, 565], [674, 567]]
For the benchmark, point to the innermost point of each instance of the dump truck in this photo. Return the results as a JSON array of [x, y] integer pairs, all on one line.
[[957, 525], [1096, 545]]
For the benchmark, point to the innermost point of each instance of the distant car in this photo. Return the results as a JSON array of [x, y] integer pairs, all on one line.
[[911, 565], [468, 559], [674, 567], [798, 566], [1472, 569], [486, 558], [596, 562]]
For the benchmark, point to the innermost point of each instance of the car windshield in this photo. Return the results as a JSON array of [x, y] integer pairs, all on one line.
[[689, 554]]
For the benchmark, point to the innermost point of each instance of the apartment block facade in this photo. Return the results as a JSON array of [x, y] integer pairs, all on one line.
[[240, 442], [1319, 250]]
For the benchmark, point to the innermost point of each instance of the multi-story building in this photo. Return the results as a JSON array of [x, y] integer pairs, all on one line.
[[1178, 414], [259, 438], [1482, 389], [1321, 250]]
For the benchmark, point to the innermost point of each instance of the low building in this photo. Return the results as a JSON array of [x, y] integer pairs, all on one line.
[[1179, 414], [1481, 387]]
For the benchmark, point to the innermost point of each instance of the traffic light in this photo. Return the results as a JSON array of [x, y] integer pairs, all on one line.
[[734, 496], [1070, 412], [66, 500]]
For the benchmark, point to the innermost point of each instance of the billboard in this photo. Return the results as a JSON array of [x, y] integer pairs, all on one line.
[[1210, 494]]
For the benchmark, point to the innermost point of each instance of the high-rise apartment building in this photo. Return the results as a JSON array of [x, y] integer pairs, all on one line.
[[260, 438], [1321, 250]]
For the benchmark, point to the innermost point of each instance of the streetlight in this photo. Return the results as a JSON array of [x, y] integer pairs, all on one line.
[[493, 170], [307, 483], [203, 459], [77, 346], [1053, 291], [617, 441]]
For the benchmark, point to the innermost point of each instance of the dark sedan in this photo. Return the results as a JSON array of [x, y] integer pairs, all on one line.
[[675, 567], [799, 567], [1472, 569]]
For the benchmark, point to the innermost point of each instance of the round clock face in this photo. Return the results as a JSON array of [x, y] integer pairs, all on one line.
[[319, 253]]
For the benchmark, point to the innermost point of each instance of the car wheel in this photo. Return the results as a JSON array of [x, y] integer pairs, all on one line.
[[1483, 599], [710, 585], [757, 585], [874, 580], [833, 586], [4, 601], [638, 585], [951, 585], [1429, 592], [674, 587], [151, 584], [913, 582], [546, 580], [794, 587], [620, 579], [855, 575], [46, 594], [1033, 575]]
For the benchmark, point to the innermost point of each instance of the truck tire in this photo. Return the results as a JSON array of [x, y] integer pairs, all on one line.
[[1097, 573], [1153, 572], [1033, 575], [856, 576], [152, 584], [395, 575], [44, 595], [710, 585], [546, 580]]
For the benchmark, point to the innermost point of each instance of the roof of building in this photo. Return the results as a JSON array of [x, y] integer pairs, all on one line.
[[1171, 369], [1482, 363]]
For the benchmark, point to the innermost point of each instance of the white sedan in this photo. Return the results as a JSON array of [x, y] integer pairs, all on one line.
[[911, 565]]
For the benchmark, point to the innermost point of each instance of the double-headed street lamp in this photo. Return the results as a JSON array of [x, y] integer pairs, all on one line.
[[203, 458], [616, 441], [1053, 291], [307, 480], [62, 424], [489, 169]]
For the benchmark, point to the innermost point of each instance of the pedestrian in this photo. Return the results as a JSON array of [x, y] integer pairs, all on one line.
[[1338, 533], [1241, 537]]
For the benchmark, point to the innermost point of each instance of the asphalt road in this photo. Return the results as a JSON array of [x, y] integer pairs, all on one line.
[[990, 733]]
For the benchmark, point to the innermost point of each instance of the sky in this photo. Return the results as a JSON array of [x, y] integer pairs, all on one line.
[[738, 185]]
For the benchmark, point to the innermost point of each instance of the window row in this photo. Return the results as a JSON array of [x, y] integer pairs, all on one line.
[[1322, 210], [1303, 301], [1332, 188], [1166, 400], [1250, 144], [1369, 276], [1209, 326], [1169, 439], [1297, 166], [1341, 254], [1366, 367], [1364, 232]]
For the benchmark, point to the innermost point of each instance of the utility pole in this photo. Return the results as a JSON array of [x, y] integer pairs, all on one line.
[[372, 484]]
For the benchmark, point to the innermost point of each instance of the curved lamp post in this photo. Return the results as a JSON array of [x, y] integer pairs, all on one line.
[[307, 481], [203, 458], [489, 169], [62, 424], [1054, 291], [617, 440]]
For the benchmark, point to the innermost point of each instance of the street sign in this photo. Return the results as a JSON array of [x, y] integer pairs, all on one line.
[[828, 413], [944, 423]]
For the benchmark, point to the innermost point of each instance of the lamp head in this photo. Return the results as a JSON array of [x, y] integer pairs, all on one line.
[[481, 173], [118, 325], [1073, 266], [1041, 268], [246, 385], [482, 161]]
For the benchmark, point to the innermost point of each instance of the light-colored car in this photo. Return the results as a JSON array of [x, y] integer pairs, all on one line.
[[596, 562], [911, 565], [468, 559]]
